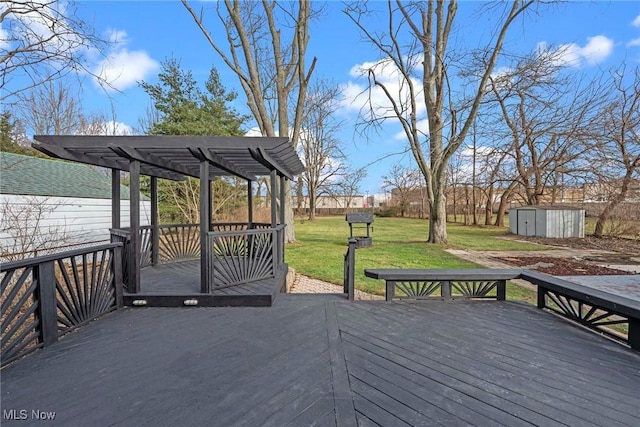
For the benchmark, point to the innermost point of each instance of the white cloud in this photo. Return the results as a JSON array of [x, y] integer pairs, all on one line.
[[117, 128], [358, 96], [4, 39], [597, 49], [423, 128], [34, 24], [117, 37], [254, 131], [636, 22], [123, 68], [634, 42]]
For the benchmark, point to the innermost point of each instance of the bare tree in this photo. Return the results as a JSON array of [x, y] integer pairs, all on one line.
[[45, 40], [319, 146], [23, 232], [403, 183], [348, 186], [273, 73], [52, 108], [545, 117], [417, 48], [618, 145]]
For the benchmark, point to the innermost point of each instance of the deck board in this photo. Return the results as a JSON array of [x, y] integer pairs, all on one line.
[[324, 361]]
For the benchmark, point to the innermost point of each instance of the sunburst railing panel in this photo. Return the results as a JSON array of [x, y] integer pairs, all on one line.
[[242, 256], [84, 288], [44, 297]]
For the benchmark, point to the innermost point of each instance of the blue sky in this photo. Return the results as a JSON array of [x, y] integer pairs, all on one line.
[[600, 35]]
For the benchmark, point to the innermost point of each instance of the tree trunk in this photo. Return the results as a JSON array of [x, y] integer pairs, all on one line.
[[438, 218], [312, 206], [608, 210], [289, 232], [488, 210], [502, 208]]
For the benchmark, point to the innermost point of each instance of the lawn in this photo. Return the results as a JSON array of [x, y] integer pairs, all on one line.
[[397, 243]]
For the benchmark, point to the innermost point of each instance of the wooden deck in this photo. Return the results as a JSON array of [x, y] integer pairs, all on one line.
[[169, 285], [321, 360]]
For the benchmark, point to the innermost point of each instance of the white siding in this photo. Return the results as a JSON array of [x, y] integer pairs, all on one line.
[[65, 219]]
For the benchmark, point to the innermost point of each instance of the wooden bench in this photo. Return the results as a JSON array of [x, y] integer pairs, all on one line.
[[444, 284], [589, 307]]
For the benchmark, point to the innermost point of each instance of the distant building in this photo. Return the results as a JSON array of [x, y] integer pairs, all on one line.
[[50, 204]]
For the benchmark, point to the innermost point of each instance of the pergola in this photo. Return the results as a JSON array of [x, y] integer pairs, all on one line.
[[175, 158]]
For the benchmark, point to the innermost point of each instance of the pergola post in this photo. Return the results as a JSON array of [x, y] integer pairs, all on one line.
[[155, 236], [282, 221], [282, 196], [274, 206], [205, 210], [250, 204], [210, 202], [134, 222], [115, 198]]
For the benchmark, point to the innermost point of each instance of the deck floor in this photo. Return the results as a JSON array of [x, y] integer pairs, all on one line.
[[320, 360]]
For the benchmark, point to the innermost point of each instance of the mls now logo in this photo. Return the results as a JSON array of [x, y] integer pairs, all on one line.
[[23, 414]]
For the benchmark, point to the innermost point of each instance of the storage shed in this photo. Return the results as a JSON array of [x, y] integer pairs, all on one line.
[[547, 221]]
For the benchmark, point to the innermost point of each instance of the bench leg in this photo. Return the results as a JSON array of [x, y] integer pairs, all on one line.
[[391, 290]]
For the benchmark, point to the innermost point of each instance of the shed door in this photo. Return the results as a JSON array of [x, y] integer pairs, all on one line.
[[526, 222]]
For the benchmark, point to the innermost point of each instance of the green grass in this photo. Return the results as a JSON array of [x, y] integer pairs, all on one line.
[[397, 243]]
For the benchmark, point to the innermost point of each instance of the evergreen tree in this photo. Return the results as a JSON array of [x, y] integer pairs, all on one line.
[[183, 108], [9, 140]]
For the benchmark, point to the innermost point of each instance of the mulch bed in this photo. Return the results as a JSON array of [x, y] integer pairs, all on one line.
[[561, 266]]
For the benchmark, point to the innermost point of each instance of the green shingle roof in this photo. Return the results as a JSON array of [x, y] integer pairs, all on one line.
[[43, 177]]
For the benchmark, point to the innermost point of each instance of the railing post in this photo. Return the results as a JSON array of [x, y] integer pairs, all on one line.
[[47, 308], [541, 297], [445, 289], [274, 247], [351, 261], [282, 245], [155, 230], [501, 290], [117, 275], [633, 336]]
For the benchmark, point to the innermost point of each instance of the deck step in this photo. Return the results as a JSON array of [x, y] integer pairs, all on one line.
[[198, 300]]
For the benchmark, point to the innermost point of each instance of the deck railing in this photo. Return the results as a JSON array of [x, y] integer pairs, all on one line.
[[244, 256], [349, 269], [615, 316], [47, 296], [176, 242]]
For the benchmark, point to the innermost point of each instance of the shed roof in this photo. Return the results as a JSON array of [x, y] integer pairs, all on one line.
[[174, 157], [34, 176]]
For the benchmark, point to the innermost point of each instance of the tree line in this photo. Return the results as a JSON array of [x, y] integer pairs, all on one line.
[[537, 122]]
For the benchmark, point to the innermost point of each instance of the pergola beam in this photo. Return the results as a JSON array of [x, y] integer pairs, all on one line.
[[221, 163], [171, 157], [159, 141], [264, 159], [66, 154], [152, 159]]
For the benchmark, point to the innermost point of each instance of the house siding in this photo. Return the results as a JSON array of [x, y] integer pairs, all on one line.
[[78, 220]]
